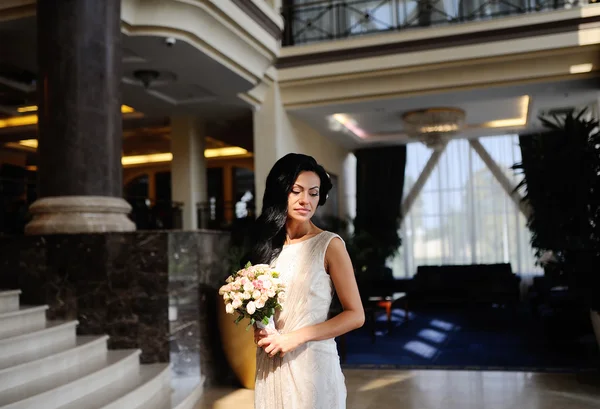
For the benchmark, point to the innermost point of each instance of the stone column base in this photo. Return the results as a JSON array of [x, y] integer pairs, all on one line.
[[79, 214]]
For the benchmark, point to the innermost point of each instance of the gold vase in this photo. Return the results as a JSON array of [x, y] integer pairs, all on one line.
[[238, 345]]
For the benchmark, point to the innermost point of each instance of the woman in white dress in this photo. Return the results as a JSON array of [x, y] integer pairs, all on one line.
[[298, 366]]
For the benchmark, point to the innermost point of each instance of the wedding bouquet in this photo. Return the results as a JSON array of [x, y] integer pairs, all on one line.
[[254, 292]]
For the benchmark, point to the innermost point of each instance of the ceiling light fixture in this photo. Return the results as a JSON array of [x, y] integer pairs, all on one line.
[[14, 121], [143, 159], [125, 109], [433, 126], [29, 143], [146, 77], [31, 108], [26, 120], [227, 151], [149, 79]]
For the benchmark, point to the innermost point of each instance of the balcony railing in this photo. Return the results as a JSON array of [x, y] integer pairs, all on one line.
[[313, 21], [159, 214], [223, 215], [17, 194]]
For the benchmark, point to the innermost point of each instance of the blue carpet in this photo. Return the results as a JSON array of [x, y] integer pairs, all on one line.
[[486, 339]]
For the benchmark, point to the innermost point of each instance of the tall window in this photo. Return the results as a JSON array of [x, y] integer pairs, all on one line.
[[463, 216]]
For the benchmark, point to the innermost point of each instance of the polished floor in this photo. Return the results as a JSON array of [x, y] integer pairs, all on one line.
[[370, 389]]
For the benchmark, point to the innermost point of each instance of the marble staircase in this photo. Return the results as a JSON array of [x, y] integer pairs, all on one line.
[[44, 364]]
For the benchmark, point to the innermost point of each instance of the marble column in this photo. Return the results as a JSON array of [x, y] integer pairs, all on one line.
[[80, 123], [188, 168]]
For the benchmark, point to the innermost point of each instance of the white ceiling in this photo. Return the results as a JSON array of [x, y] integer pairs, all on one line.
[[381, 119], [201, 87], [204, 88], [388, 119]]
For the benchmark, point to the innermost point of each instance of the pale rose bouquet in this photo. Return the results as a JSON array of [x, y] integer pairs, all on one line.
[[254, 292]]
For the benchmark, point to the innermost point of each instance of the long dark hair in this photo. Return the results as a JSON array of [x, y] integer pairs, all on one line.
[[268, 235]]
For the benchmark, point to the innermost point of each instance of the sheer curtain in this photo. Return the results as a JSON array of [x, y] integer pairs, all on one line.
[[463, 216]]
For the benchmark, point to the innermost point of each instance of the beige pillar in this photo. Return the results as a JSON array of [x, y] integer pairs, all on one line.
[[188, 168], [348, 205], [278, 132], [267, 131]]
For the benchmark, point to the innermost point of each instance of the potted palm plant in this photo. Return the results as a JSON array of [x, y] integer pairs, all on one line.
[[561, 169]]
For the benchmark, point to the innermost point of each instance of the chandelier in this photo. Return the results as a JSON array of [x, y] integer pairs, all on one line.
[[433, 126]]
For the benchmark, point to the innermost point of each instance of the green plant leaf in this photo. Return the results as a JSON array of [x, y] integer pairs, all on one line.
[[561, 183]]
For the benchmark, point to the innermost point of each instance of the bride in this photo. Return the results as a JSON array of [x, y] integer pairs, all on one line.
[[298, 366]]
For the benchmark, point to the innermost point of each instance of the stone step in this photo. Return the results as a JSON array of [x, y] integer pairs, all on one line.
[[32, 376], [55, 337], [147, 389], [79, 382], [9, 300], [186, 392], [22, 321]]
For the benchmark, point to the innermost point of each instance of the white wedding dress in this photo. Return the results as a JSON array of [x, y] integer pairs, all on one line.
[[309, 377]]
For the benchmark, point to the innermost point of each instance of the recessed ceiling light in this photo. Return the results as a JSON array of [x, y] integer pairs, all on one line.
[[343, 121], [512, 122], [156, 157], [581, 68], [25, 120]]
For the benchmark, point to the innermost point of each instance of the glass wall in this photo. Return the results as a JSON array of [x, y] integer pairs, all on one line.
[[463, 215]]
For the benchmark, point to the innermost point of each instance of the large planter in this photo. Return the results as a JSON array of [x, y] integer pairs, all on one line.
[[595, 316], [238, 345]]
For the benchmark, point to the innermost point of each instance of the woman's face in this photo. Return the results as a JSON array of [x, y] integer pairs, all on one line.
[[304, 197]]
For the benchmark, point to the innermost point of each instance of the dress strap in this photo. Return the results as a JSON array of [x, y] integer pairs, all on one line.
[[322, 243]]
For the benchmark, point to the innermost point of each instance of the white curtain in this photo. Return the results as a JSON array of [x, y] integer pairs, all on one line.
[[463, 216]]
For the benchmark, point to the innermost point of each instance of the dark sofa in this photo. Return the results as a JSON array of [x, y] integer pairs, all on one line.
[[465, 284]]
